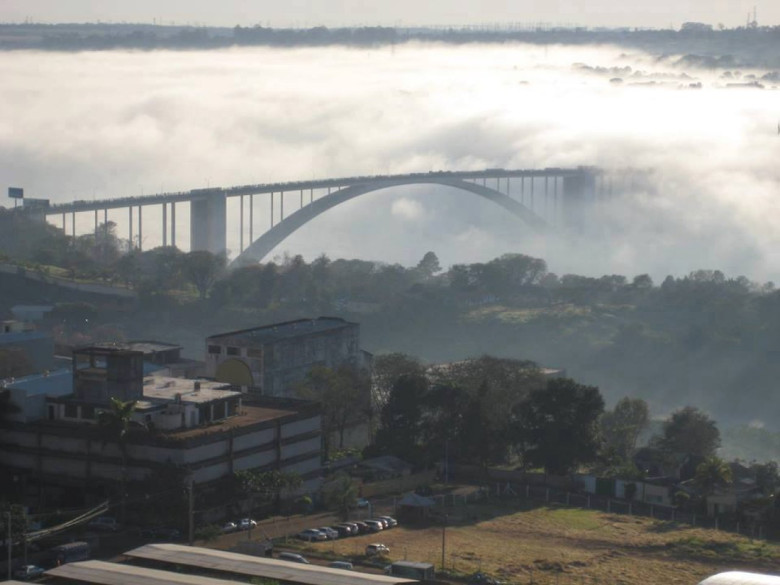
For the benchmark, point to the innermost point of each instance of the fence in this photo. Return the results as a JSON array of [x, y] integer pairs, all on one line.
[[396, 485], [552, 495]]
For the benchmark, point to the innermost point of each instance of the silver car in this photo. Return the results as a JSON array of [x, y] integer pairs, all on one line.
[[329, 532], [311, 534]]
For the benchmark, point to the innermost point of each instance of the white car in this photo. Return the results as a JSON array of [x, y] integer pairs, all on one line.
[[228, 527], [376, 549], [27, 572], [246, 524]]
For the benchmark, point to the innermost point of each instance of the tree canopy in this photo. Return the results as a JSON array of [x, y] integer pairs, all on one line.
[[557, 427], [689, 430], [344, 394], [622, 426]]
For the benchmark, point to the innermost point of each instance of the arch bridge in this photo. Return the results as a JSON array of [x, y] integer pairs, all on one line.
[[540, 198]]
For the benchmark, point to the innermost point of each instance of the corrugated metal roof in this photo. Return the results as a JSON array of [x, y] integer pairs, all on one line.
[[288, 329], [259, 566], [116, 574]]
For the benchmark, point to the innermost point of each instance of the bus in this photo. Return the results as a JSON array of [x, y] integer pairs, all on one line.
[[70, 552]]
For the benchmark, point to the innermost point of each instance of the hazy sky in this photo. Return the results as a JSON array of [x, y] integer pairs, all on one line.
[[658, 13]]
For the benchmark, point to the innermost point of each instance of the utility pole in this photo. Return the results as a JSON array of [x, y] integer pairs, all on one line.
[[443, 540], [24, 512], [10, 543], [191, 512]]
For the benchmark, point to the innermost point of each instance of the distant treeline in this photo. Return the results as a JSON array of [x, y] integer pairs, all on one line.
[[745, 45], [704, 338]]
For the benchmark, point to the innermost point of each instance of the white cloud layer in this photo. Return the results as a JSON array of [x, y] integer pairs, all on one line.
[[84, 125]]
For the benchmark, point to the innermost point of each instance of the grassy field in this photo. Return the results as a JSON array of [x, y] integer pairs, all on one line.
[[555, 545]]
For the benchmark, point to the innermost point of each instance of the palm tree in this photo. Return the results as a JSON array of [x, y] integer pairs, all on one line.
[[115, 424], [342, 495], [711, 473]]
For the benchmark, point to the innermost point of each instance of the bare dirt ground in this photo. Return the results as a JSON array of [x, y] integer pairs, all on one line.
[[562, 546]]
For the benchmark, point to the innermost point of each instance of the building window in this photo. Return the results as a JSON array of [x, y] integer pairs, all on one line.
[[71, 411], [88, 411], [233, 351], [254, 352], [215, 349]]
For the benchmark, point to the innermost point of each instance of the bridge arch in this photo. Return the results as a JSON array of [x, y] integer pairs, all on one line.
[[263, 245]]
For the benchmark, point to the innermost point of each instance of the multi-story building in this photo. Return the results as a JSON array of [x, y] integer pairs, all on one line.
[[205, 429], [272, 359]]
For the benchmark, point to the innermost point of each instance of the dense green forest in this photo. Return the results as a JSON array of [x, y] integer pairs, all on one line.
[[706, 338]]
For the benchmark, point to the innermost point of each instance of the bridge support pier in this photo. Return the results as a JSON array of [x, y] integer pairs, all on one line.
[[165, 224], [578, 190], [140, 228], [173, 224], [208, 215]]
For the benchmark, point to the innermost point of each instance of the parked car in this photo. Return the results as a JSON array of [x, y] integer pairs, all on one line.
[[390, 521], [228, 527], [346, 565], [353, 528], [343, 530], [104, 524], [28, 572], [311, 534], [376, 549], [246, 524], [329, 532], [160, 533], [293, 557], [375, 525], [362, 503], [167, 533], [363, 528]]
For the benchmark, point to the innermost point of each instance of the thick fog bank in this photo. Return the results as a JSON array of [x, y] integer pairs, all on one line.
[[84, 125]]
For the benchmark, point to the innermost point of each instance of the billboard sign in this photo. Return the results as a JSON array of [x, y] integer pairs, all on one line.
[[16, 192], [36, 203]]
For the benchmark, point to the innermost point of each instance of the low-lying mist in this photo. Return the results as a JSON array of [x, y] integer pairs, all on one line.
[[107, 124]]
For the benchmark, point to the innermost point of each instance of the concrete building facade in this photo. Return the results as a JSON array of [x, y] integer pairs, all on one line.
[[272, 359], [36, 345]]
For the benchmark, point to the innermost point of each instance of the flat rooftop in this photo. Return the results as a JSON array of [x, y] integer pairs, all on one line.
[[167, 389], [146, 347], [54, 383], [251, 566], [286, 330], [248, 415]]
